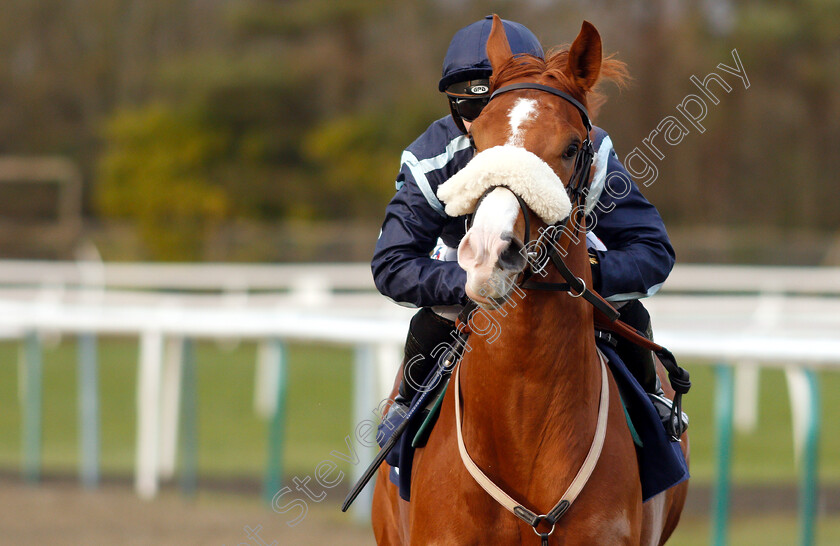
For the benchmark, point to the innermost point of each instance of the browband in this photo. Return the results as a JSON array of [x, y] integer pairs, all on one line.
[[539, 87]]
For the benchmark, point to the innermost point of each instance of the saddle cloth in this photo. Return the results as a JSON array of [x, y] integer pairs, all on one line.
[[661, 462]]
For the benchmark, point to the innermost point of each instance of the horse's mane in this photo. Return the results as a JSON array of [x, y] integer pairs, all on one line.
[[552, 72]]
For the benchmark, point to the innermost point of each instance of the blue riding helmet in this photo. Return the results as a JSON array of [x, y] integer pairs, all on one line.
[[466, 58]]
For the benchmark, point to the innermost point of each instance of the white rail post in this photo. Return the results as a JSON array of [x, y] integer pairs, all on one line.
[[267, 377], [148, 414], [364, 401], [170, 405], [388, 359], [746, 396], [803, 386]]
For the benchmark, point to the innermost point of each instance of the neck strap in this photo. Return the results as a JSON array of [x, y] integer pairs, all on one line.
[[584, 473]]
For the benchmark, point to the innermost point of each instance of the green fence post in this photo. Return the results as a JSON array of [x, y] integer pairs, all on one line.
[[32, 407], [88, 392], [724, 402], [276, 433], [810, 457], [189, 421]]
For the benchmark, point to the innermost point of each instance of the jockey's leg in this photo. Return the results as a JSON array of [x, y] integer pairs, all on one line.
[[427, 334], [641, 362]]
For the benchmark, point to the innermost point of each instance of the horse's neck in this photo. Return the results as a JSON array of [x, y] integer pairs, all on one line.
[[537, 383]]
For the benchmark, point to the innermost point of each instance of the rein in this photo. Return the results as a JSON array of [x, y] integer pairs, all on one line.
[[607, 316]]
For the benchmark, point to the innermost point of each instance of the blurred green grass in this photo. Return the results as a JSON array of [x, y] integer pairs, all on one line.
[[232, 439], [780, 529]]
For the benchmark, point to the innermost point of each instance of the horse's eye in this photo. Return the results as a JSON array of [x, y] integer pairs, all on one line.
[[571, 151]]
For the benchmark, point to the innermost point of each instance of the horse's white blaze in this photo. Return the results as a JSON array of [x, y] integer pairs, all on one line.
[[497, 213], [478, 253], [524, 110]]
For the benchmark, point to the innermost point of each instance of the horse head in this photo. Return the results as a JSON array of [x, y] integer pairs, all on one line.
[[527, 142]]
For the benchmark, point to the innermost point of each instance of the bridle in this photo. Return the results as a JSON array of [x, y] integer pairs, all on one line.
[[547, 243], [544, 248], [576, 287], [583, 161]]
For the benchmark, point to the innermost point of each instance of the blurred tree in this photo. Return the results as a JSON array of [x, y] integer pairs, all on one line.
[[158, 170], [356, 157], [793, 49], [296, 110], [287, 135]]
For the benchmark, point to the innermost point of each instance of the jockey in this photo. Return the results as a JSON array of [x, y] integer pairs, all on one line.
[[415, 265]]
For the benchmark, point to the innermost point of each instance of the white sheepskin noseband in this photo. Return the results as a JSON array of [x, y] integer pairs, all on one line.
[[520, 170]]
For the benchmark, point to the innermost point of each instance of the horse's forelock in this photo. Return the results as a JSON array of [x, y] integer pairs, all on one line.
[[518, 66], [552, 72]]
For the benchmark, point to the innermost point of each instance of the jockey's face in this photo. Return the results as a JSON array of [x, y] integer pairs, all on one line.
[[467, 125]]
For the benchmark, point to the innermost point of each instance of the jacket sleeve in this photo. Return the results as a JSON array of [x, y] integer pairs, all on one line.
[[639, 254], [402, 268]]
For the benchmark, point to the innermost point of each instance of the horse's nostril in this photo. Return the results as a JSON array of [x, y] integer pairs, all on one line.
[[512, 258]]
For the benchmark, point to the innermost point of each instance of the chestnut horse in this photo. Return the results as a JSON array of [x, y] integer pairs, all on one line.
[[530, 398]]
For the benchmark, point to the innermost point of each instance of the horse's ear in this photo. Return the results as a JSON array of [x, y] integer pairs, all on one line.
[[498, 48], [584, 63]]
